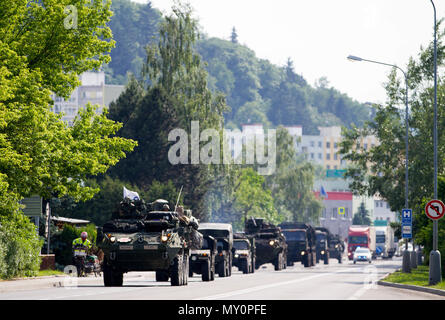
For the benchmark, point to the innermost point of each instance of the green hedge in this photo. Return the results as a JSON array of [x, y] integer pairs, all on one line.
[[19, 247]]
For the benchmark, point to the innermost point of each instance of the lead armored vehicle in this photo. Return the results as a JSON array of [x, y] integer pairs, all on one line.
[[244, 252], [301, 241], [144, 238], [223, 234], [270, 243]]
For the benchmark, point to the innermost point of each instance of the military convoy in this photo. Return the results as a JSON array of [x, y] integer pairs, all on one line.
[[148, 239], [152, 237], [244, 253], [270, 243], [301, 242]]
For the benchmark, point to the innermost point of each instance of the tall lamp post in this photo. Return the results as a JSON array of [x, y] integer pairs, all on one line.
[[435, 265], [406, 265]]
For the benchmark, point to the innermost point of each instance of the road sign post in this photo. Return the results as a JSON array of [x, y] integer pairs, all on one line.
[[407, 233], [435, 210]]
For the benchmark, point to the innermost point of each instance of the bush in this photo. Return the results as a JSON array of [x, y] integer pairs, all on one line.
[[19, 247]]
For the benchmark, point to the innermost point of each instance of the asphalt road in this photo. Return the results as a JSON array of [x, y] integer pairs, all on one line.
[[334, 281]]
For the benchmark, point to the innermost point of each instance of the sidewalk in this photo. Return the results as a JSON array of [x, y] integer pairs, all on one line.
[[47, 282]]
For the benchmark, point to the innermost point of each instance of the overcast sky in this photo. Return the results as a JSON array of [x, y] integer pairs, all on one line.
[[319, 34]]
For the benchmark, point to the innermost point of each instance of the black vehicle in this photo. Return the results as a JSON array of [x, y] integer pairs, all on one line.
[[335, 244], [301, 241], [322, 246], [244, 253], [202, 261], [270, 243], [223, 234]]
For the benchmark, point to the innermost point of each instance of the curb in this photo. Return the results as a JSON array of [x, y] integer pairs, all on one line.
[[412, 287]]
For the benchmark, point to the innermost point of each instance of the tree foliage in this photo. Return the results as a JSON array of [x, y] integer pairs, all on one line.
[[362, 216]]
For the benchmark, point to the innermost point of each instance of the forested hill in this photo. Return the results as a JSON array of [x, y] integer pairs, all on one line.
[[256, 90]]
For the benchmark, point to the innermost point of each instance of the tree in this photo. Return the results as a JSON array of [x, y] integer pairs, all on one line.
[[381, 169], [234, 36], [362, 216], [176, 94]]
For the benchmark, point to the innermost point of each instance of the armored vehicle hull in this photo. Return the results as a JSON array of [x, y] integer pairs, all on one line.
[[301, 241]]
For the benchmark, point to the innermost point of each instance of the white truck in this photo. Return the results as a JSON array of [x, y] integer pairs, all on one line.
[[385, 247]]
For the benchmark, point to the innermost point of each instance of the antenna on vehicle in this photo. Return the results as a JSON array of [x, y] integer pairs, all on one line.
[[179, 196]]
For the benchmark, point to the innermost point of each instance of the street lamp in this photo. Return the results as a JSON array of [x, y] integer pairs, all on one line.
[[406, 267], [435, 267]]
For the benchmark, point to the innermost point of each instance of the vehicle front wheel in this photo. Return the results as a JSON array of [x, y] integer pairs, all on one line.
[[205, 271], [177, 270]]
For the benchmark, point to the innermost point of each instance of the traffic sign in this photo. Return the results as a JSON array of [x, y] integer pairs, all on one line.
[[407, 231], [407, 216], [341, 210], [435, 209]]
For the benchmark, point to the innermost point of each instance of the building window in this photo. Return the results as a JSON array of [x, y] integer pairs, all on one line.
[[335, 167], [387, 205], [335, 156], [328, 156], [365, 146], [320, 144], [312, 143], [335, 145], [328, 145], [323, 214], [320, 156], [312, 156], [328, 167], [334, 213]]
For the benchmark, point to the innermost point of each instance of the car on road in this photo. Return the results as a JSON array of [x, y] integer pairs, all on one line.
[[362, 254]]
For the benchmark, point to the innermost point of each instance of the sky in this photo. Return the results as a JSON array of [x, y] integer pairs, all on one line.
[[318, 35]]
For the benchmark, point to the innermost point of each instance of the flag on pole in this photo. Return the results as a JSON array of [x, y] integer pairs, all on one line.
[[132, 195], [323, 193]]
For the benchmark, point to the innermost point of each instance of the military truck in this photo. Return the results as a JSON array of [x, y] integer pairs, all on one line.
[[322, 246], [202, 261], [335, 244], [146, 239], [270, 243], [223, 234], [301, 241], [244, 253]]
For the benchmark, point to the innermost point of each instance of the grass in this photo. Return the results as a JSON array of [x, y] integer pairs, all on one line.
[[45, 273], [417, 277]]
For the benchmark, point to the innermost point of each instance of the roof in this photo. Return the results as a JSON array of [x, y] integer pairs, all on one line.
[[215, 226], [69, 220], [332, 196], [359, 228]]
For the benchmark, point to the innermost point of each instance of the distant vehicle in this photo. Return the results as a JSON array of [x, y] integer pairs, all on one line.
[[244, 253], [223, 234], [384, 242], [361, 236], [401, 247], [301, 242], [202, 261], [362, 254], [322, 246], [336, 246], [270, 243]]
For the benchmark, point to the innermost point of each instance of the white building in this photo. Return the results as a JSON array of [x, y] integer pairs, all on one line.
[[92, 90]]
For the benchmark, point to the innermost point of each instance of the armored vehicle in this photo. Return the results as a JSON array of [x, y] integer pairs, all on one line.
[[202, 261], [244, 253], [223, 234], [270, 243], [322, 246], [335, 244], [301, 241], [143, 239]]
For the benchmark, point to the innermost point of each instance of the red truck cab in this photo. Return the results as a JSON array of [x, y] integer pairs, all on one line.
[[360, 236]]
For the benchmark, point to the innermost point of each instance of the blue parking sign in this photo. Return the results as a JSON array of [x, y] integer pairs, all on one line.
[[407, 216]]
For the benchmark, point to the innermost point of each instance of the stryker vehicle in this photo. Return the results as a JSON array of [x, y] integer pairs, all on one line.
[[301, 241], [244, 253], [335, 244], [223, 234], [141, 239], [202, 261], [270, 243], [322, 246]]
